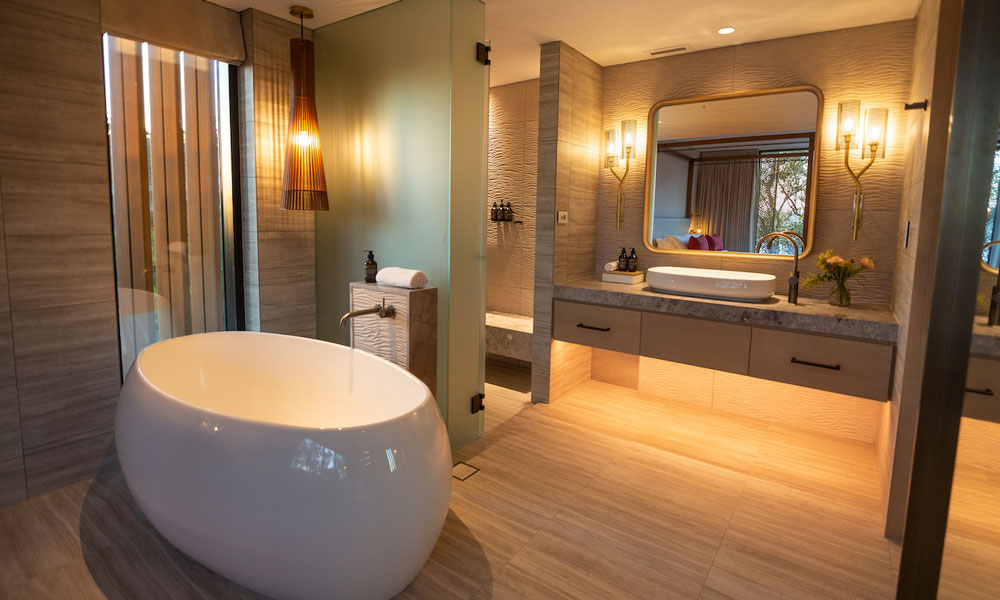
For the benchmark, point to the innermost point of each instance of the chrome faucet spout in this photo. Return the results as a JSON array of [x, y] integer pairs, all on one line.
[[383, 311], [793, 277]]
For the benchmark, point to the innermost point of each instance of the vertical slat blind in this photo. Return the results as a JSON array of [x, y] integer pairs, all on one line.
[[165, 142]]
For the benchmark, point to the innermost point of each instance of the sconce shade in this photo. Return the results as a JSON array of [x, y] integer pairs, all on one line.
[[611, 147], [848, 122], [304, 183], [876, 123], [628, 137]]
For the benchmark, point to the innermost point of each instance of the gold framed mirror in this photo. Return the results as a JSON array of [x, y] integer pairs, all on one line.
[[722, 171]]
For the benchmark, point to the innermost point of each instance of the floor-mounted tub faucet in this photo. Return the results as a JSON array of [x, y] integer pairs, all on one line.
[[994, 317], [793, 278], [383, 311]]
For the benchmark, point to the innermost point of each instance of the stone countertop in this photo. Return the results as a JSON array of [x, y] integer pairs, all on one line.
[[985, 339], [864, 322]]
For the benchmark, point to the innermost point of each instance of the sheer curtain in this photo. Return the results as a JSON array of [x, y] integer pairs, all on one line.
[[168, 176], [724, 199]]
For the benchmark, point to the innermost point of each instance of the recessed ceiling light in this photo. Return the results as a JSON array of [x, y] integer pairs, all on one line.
[[726, 30]]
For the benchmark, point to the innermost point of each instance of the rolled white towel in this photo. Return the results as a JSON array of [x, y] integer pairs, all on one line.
[[400, 277], [611, 266]]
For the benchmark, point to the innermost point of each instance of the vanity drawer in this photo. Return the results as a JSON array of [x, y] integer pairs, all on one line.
[[848, 367], [982, 390], [598, 326], [709, 344]]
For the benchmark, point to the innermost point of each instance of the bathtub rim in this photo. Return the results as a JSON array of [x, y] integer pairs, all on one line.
[[137, 367]]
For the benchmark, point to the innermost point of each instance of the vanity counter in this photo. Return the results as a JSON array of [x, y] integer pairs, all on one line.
[[862, 322]]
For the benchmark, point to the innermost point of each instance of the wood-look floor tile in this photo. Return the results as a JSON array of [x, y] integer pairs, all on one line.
[[970, 566], [802, 545], [830, 467], [502, 403], [605, 493], [715, 438]]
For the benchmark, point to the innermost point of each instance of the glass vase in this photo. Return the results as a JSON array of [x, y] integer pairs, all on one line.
[[840, 295]]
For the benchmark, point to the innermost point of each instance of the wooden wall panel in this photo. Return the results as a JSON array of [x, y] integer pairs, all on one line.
[[280, 253], [60, 327], [868, 63], [568, 147]]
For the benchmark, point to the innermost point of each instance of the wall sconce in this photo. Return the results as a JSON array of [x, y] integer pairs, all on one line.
[[613, 152], [303, 186], [848, 137]]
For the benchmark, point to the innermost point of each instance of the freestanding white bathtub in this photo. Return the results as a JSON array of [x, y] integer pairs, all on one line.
[[294, 467]]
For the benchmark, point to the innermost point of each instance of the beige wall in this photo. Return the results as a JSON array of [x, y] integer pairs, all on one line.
[[512, 176], [279, 246], [568, 159], [871, 64], [59, 358]]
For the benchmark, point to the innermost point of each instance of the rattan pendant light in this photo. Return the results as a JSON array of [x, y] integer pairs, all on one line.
[[304, 184]]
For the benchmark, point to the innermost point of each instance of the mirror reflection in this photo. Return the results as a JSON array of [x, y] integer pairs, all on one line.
[[991, 254], [724, 173]]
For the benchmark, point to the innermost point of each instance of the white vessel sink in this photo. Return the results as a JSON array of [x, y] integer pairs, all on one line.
[[712, 283]]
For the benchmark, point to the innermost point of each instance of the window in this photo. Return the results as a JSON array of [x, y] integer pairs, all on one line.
[[781, 196], [992, 255], [171, 152]]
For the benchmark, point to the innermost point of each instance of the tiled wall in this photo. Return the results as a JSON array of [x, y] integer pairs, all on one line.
[[568, 159], [871, 64], [279, 246], [59, 360], [512, 177]]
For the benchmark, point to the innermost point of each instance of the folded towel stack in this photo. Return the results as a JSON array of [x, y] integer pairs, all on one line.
[[611, 266], [400, 277]]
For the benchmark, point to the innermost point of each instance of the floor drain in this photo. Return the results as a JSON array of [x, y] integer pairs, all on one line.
[[462, 471]]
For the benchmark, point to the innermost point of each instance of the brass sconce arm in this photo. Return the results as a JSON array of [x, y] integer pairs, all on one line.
[[621, 184], [859, 196]]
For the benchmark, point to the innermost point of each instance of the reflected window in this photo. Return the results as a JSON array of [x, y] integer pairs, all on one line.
[[991, 256]]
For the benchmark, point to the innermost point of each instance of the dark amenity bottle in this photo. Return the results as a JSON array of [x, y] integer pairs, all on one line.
[[623, 261], [633, 262], [371, 268]]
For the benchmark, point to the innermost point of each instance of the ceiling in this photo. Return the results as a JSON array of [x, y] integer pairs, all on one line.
[[625, 31], [325, 11]]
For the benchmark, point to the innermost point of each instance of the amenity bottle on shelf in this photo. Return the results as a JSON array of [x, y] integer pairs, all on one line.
[[371, 268], [494, 213], [623, 261], [632, 264], [509, 213]]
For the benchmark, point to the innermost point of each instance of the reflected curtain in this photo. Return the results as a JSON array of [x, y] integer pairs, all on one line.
[[725, 199]]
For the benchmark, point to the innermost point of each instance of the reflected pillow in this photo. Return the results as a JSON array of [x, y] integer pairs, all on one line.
[[670, 242], [715, 242], [699, 242]]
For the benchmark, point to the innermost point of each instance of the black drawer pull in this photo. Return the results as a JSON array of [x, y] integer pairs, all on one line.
[[592, 328], [986, 392], [815, 364]]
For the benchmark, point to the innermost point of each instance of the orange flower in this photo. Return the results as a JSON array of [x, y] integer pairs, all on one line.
[[867, 264], [835, 260]]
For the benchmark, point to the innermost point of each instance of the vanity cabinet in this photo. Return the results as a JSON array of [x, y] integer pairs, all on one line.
[[845, 366], [709, 344], [849, 367], [598, 326], [982, 390]]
